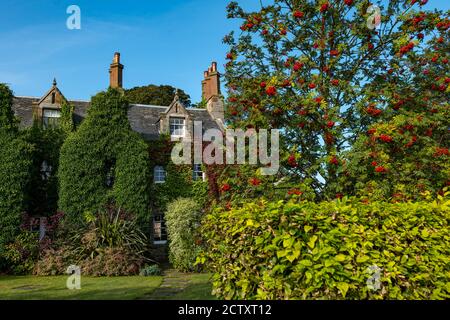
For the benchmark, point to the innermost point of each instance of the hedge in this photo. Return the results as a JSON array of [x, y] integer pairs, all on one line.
[[329, 250], [104, 146], [183, 218], [15, 164]]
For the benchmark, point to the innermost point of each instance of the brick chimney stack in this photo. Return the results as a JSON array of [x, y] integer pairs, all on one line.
[[211, 83], [115, 72], [211, 93]]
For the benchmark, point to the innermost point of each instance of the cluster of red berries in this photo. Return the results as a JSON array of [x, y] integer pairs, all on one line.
[[334, 161], [385, 138], [298, 14], [292, 161], [255, 182], [407, 48], [441, 152], [271, 91], [374, 111], [295, 192]]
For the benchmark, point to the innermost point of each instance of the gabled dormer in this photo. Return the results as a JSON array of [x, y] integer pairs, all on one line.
[[47, 110], [176, 120]]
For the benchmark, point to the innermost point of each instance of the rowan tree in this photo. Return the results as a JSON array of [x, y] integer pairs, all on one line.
[[325, 71]]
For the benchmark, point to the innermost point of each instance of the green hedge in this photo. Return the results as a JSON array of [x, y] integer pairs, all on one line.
[[104, 145], [305, 250], [15, 164], [182, 218]]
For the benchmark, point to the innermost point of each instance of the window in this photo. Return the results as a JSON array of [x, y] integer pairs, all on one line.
[[46, 171], [159, 175], [159, 229], [51, 118], [177, 127], [198, 173]]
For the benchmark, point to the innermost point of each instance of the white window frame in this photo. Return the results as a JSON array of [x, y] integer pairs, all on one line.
[[196, 172], [50, 114], [159, 220], [159, 175], [177, 127]]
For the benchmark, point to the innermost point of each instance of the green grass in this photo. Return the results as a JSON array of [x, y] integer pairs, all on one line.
[[92, 288], [199, 288]]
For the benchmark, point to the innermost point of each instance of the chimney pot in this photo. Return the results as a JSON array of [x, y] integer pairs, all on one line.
[[211, 84]]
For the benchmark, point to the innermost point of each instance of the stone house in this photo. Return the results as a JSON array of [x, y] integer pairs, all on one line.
[[148, 120]]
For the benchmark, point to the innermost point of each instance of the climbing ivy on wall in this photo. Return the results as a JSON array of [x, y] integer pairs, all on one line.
[[179, 178], [42, 191], [15, 162], [104, 161]]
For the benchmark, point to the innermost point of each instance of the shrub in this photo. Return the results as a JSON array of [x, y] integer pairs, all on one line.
[[182, 219], [104, 161], [112, 262], [109, 228], [21, 255], [152, 270], [305, 250], [54, 261], [108, 243], [15, 166]]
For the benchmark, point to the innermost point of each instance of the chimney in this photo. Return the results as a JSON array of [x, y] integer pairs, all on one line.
[[211, 83], [211, 93], [115, 72]]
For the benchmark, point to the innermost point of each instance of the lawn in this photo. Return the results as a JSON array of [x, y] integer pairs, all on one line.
[[98, 288], [54, 288], [199, 288]]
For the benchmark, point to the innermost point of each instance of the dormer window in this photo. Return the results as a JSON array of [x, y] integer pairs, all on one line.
[[177, 127], [51, 118]]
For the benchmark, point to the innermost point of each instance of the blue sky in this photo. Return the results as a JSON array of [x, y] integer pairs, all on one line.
[[161, 42]]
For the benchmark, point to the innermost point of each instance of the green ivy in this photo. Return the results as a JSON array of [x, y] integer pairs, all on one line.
[[15, 163], [105, 146], [7, 118]]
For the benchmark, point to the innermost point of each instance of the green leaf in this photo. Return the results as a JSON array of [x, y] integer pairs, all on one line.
[[312, 241], [340, 257], [343, 288], [362, 259]]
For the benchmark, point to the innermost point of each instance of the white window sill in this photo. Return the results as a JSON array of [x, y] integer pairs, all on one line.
[[159, 182], [160, 242]]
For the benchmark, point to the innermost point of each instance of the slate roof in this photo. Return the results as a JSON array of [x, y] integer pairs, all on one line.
[[144, 119]]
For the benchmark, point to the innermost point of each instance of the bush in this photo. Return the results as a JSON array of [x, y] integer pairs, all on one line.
[[108, 243], [112, 262], [305, 250], [104, 161], [54, 261], [153, 270], [182, 219], [22, 254], [15, 166]]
